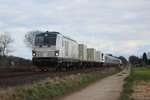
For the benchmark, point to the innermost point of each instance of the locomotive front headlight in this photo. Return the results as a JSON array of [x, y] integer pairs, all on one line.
[[33, 53], [57, 53]]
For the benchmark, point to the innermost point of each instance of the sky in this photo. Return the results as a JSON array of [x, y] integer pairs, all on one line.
[[119, 27]]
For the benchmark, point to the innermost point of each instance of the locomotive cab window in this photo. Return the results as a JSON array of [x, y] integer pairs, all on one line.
[[45, 40], [38, 41]]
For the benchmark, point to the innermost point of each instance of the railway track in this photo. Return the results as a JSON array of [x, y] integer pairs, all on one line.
[[19, 74], [5, 70], [10, 75], [26, 78]]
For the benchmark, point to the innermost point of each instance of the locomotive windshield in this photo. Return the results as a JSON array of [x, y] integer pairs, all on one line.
[[45, 39]]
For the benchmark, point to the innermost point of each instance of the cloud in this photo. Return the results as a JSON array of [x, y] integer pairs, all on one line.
[[60, 8], [111, 26], [127, 4], [80, 1], [129, 16], [2, 24]]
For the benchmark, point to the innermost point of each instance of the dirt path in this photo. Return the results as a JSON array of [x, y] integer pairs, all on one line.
[[105, 89]]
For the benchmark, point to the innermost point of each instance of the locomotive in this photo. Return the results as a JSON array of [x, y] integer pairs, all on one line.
[[52, 50]]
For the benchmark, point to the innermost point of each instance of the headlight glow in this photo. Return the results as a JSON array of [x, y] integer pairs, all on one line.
[[57, 53], [33, 53]]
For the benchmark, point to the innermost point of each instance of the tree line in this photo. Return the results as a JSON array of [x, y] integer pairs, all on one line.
[[6, 47], [5, 44], [136, 61], [6, 41]]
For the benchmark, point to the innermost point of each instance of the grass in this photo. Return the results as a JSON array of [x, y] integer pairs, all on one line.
[[137, 74], [142, 74], [50, 89]]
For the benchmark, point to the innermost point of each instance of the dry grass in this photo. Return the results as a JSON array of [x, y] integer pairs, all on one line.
[[137, 86], [11, 93], [6, 94], [141, 90], [51, 88]]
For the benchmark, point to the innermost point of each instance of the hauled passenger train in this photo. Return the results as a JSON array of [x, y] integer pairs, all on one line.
[[54, 50]]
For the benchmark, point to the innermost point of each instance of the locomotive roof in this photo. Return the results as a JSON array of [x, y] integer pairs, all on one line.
[[111, 56], [42, 33], [53, 32]]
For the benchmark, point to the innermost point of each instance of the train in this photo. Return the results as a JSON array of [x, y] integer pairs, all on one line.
[[53, 50]]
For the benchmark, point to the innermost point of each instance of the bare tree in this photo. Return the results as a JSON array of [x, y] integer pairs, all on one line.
[[134, 60], [144, 57], [29, 38], [124, 60], [0, 52], [5, 41]]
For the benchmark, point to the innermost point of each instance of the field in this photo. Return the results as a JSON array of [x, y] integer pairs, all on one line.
[[137, 86]]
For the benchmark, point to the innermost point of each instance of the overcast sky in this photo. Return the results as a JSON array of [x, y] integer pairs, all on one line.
[[119, 27]]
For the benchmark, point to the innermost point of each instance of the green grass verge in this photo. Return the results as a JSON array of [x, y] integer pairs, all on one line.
[[49, 89], [141, 74], [137, 74]]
